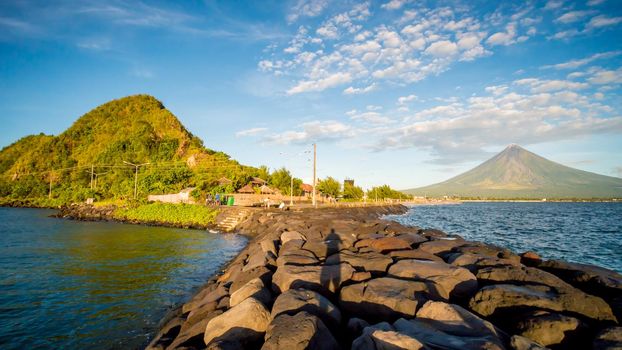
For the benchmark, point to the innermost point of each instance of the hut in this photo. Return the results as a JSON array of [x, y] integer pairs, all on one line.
[[223, 181], [247, 189], [267, 190], [257, 181]]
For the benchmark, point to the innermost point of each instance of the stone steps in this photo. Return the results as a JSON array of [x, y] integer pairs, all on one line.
[[232, 220]]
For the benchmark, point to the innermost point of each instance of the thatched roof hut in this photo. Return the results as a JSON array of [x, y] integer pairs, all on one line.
[[224, 181], [267, 190], [257, 181], [246, 189]]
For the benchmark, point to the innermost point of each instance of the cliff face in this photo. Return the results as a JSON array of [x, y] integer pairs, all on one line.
[[518, 173], [343, 278]]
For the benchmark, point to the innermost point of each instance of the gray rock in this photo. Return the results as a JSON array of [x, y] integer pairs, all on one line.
[[548, 328], [319, 278], [490, 299], [298, 332], [292, 235], [384, 298], [371, 262], [521, 343], [254, 288], [452, 281], [609, 339], [295, 300], [245, 323]]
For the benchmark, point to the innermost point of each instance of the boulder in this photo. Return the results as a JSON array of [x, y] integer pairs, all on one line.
[[384, 298], [388, 244], [320, 278], [608, 339], [548, 328], [254, 288], [245, 323], [360, 276], [371, 262], [506, 297], [413, 254], [243, 277], [530, 258], [191, 334], [259, 259], [591, 279], [298, 332], [518, 342], [212, 296], [356, 325], [268, 246], [298, 257], [293, 301], [166, 334], [440, 246], [520, 275], [412, 238], [292, 235], [453, 281], [293, 245], [474, 262], [322, 249], [376, 339]]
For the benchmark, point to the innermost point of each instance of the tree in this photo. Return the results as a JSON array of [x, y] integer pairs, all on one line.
[[330, 187], [352, 192], [384, 192], [281, 179]]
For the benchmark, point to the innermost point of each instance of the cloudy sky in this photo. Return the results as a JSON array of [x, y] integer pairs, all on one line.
[[402, 92]]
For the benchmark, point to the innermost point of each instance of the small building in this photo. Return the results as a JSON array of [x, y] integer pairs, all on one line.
[[267, 190], [307, 189], [248, 189], [257, 181], [223, 181]]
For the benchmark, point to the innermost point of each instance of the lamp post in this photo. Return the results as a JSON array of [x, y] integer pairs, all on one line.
[[291, 176], [136, 166]]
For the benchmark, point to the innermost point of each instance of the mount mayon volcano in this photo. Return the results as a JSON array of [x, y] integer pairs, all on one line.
[[518, 173]]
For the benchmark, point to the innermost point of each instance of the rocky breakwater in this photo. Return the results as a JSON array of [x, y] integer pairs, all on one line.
[[340, 279]]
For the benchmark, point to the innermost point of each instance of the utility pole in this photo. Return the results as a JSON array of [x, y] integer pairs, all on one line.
[[136, 166], [314, 170]]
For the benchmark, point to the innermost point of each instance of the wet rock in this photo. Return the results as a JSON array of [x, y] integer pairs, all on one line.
[[245, 323], [505, 297], [191, 334], [254, 288], [548, 328], [384, 298], [298, 332], [166, 334], [371, 262], [608, 339], [295, 300], [453, 281], [320, 278]]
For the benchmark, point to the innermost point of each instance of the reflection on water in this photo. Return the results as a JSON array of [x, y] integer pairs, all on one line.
[[589, 233], [68, 284]]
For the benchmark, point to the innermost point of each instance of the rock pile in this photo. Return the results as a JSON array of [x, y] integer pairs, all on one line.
[[343, 278]]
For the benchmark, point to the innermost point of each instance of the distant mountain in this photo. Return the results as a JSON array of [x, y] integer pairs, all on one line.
[[137, 129], [518, 173]]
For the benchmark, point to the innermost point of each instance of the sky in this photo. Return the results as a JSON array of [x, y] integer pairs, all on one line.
[[399, 92]]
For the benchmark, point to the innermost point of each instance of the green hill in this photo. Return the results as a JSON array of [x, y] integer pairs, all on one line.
[[136, 129], [518, 173]]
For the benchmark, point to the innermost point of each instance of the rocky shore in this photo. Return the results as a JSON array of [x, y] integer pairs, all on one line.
[[344, 278]]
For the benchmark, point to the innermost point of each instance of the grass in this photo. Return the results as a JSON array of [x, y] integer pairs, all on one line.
[[176, 214]]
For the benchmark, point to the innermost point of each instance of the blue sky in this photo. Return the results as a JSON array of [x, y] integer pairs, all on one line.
[[402, 92]]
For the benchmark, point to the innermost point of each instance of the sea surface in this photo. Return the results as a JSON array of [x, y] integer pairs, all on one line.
[[589, 233], [96, 285]]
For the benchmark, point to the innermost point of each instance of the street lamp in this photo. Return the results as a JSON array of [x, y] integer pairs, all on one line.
[[136, 166]]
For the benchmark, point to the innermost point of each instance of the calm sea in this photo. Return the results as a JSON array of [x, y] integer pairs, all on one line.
[[96, 285], [589, 233]]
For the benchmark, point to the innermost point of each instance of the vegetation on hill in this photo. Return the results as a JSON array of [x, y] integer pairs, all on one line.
[[516, 173], [179, 215]]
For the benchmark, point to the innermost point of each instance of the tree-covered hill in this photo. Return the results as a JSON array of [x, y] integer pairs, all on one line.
[[136, 129]]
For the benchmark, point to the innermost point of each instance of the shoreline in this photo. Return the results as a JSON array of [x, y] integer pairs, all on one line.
[[303, 267]]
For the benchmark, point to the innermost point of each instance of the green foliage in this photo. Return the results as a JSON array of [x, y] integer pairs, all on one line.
[[177, 214], [329, 186], [351, 192], [386, 192]]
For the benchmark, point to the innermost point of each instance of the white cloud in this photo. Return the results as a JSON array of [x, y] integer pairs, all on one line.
[[576, 63], [503, 38], [356, 91], [394, 4], [553, 4], [603, 21], [306, 8], [601, 77], [250, 132], [406, 99], [564, 34], [442, 48], [538, 85], [320, 84], [573, 16], [328, 130], [595, 2]]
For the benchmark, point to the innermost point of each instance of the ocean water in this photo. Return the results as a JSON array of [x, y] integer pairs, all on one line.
[[96, 285], [589, 233]]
